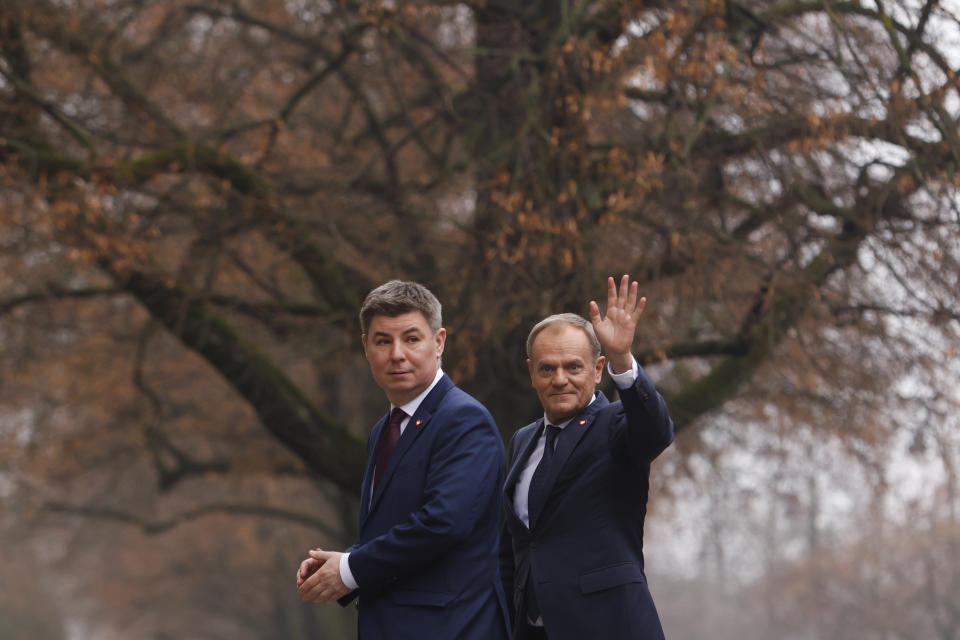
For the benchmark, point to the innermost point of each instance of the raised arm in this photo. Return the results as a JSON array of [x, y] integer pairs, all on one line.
[[649, 429]]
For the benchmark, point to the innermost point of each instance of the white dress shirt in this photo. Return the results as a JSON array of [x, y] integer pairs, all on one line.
[[409, 408]]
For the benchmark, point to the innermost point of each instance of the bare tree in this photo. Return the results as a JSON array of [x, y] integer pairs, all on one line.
[[198, 193]]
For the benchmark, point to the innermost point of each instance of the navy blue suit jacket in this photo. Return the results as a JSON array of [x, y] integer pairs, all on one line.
[[426, 558], [584, 548]]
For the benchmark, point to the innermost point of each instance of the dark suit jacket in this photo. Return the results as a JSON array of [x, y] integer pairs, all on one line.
[[426, 558], [585, 547]]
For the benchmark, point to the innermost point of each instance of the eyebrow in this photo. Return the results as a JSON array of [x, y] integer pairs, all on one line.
[[403, 333]]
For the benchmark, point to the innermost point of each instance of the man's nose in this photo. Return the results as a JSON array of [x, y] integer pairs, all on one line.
[[559, 378], [397, 352]]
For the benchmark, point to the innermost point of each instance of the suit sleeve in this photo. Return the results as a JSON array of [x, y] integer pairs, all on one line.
[[507, 564], [648, 426], [464, 475]]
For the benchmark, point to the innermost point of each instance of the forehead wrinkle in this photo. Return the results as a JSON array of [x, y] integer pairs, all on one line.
[[564, 351], [562, 360]]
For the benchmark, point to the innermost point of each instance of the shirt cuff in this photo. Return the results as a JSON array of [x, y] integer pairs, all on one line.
[[345, 574], [626, 379]]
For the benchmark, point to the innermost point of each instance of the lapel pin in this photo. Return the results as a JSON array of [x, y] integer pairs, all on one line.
[[583, 422], [419, 422]]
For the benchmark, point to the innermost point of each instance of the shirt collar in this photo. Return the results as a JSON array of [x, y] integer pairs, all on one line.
[[546, 421], [411, 407]]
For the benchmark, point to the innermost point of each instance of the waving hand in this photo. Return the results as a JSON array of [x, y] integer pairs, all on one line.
[[616, 330]]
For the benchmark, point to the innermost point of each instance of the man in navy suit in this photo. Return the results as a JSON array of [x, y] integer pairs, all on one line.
[[571, 549], [425, 564]]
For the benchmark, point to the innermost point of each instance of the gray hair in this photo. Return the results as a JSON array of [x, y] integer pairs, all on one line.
[[396, 298], [571, 319]]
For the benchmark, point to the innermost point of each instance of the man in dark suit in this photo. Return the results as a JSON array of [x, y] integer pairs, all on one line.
[[425, 564], [571, 548]]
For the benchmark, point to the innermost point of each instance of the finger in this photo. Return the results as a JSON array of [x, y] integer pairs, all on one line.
[[624, 287], [611, 293], [306, 590], [594, 314], [320, 554], [312, 588], [639, 310], [308, 566], [632, 297], [309, 581]]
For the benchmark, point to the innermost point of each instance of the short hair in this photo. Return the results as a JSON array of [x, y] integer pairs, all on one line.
[[571, 319], [396, 298]]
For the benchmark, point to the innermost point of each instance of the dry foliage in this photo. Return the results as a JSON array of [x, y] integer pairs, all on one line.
[[198, 193]]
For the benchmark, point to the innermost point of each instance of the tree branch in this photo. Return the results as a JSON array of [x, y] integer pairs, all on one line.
[[777, 310], [55, 292], [323, 444], [703, 349], [73, 127]]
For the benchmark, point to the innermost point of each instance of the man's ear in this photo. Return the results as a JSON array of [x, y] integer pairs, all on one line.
[[530, 369], [440, 337], [600, 362]]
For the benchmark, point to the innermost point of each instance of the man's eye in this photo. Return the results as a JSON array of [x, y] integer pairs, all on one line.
[[382, 342], [413, 339]]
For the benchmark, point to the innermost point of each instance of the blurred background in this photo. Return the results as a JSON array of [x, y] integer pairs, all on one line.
[[195, 196]]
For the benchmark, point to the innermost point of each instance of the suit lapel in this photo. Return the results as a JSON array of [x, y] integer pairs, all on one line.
[[526, 443], [375, 435], [418, 424]]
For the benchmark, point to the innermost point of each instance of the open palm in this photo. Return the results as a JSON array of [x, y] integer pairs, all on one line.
[[616, 329]]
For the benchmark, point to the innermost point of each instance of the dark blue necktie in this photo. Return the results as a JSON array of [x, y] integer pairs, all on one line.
[[535, 499]]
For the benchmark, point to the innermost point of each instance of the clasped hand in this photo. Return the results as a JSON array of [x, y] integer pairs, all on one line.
[[318, 578]]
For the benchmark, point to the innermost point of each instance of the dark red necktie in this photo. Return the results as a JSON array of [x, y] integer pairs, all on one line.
[[388, 442]]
